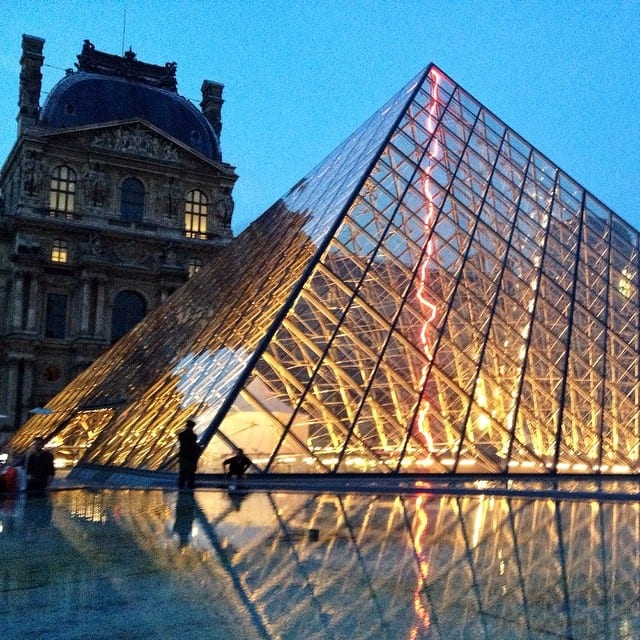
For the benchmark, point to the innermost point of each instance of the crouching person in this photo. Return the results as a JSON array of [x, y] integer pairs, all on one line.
[[235, 467]]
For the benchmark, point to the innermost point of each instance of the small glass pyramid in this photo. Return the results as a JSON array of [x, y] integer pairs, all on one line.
[[435, 297]]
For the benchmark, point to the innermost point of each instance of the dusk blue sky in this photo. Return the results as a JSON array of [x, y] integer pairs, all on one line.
[[300, 76]]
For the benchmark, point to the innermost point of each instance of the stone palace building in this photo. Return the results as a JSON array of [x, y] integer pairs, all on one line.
[[113, 195]]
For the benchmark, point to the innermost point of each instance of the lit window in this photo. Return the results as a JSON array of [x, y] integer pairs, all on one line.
[[62, 193], [132, 200], [56, 316], [625, 286], [59, 251], [195, 215], [194, 266]]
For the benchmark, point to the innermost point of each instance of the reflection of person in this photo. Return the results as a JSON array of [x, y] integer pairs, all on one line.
[[38, 512], [185, 512], [237, 465], [188, 456], [39, 466], [237, 498]]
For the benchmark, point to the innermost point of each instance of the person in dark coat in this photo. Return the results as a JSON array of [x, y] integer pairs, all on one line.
[[188, 456], [39, 466], [235, 466]]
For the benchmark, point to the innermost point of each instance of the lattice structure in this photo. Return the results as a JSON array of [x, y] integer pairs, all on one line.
[[435, 297]]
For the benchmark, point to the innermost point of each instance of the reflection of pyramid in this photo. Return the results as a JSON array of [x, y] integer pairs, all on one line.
[[436, 296]]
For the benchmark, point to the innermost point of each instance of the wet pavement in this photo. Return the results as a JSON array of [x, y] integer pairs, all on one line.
[[155, 563]]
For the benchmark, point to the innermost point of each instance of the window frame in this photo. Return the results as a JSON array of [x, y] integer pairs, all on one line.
[[62, 191], [128, 308], [56, 315], [132, 200], [195, 264], [196, 212], [60, 251]]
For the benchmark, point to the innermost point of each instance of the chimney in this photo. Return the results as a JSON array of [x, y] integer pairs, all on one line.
[[211, 104], [30, 82]]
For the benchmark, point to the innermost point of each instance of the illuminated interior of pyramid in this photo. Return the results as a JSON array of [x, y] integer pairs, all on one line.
[[434, 297]]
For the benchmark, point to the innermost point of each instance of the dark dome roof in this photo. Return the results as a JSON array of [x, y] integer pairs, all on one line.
[[90, 98]]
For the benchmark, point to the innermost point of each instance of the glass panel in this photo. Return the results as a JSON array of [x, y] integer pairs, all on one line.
[[434, 297]]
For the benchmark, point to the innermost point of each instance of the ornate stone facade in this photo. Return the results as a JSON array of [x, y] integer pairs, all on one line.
[[101, 218]]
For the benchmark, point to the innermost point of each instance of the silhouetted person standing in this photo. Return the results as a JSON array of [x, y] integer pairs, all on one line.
[[188, 456], [39, 466]]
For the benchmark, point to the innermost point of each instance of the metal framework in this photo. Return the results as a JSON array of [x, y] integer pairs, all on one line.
[[435, 297]]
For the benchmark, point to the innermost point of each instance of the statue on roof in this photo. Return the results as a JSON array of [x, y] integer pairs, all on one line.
[[127, 66]]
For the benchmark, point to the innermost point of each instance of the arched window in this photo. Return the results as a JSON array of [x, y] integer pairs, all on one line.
[[59, 251], [195, 215], [62, 193], [132, 200], [128, 309]]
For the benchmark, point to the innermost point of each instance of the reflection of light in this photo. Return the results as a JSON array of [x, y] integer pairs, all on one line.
[[426, 306], [621, 468], [624, 286], [478, 521], [522, 463], [63, 463], [422, 614]]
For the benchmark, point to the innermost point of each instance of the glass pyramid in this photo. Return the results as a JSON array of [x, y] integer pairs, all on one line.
[[435, 297]]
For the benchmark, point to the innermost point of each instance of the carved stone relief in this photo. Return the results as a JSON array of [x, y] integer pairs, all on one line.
[[132, 254], [170, 256], [31, 174], [223, 209], [136, 141], [97, 186], [170, 199]]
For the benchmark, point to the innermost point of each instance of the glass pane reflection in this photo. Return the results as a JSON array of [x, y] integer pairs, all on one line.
[[436, 295], [290, 566]]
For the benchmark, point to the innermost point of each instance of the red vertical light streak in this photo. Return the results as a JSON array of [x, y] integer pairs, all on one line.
[[422, 614], [421, 425]]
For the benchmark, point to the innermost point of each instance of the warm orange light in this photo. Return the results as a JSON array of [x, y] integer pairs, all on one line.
[[421, 428], [423, 615]]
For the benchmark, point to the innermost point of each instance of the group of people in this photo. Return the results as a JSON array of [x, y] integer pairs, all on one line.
[[189, 453], [38, 467]]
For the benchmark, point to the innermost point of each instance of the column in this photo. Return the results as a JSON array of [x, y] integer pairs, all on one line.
[[27, 387], [100, 301], [85, 305], [18, 294], [33, 301], [5, 303], [11, 395]]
